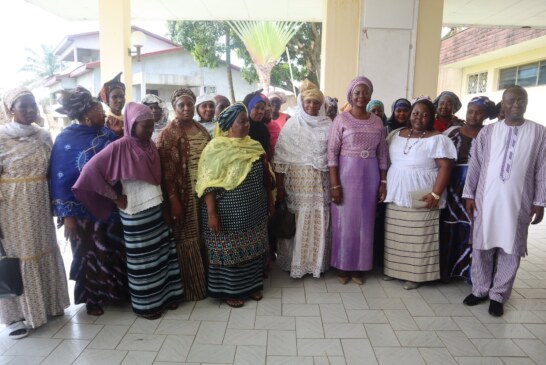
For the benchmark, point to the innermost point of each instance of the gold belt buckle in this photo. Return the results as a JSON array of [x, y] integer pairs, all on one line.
[[365, 154]]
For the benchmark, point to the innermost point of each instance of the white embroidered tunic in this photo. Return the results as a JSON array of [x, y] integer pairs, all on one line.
[[141, 196]]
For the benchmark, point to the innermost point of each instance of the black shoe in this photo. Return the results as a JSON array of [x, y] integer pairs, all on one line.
[[473, 300], [496, 308]]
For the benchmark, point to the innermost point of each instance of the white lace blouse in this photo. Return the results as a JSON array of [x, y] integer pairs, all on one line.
[[417, 169], [141, 196]]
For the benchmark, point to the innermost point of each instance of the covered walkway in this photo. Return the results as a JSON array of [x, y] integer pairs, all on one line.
[[310, 321]]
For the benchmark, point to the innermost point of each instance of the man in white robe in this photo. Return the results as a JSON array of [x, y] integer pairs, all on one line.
[[505, 191]]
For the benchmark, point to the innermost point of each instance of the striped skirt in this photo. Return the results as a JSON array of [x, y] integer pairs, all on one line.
[[152, 262], [412, 244], [236, 282]]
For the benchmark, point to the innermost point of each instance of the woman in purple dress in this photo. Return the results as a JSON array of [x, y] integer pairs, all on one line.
[[357, 159]]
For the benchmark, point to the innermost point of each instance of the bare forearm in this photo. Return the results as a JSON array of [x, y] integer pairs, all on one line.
[[334, 176], [210, 201], [442, 179]]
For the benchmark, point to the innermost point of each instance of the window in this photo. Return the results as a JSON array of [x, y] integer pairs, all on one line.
[[477, 83], [530, 74], [210, 89]]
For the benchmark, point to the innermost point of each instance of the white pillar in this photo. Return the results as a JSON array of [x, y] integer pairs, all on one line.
[[115, 40], [339, 53]]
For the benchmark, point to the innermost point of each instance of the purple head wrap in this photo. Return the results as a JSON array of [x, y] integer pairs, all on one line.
[[360, 80], [135, 112], [125, 159]]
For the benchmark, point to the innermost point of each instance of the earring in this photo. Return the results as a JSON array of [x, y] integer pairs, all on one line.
[[87, 122]]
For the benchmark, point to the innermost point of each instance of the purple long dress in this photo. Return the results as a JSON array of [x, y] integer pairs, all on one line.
[[357, 147]]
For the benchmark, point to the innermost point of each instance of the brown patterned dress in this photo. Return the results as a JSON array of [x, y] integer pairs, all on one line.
[[179, 155], [27, 225]]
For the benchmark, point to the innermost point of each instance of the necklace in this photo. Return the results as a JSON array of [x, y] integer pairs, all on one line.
[[408, 149]]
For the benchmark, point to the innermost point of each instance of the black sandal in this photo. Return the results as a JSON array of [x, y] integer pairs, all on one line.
[[152, 316], [94, 310]]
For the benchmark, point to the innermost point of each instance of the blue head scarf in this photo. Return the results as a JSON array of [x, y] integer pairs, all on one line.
[[486, 104], [374, 103]]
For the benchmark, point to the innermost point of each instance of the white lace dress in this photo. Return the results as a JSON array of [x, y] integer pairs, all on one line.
[[308, 196], [301, 156]]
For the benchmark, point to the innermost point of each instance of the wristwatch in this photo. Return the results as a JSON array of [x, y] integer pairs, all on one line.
[[434, 195]]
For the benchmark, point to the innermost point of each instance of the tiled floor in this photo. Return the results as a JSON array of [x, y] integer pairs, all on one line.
[[311, 321]]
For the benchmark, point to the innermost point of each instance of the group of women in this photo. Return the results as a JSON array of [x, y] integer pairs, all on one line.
[[161, 212], [366, 183]]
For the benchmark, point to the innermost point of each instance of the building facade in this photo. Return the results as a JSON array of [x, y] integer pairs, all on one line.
[[482, 61], [163, 67]]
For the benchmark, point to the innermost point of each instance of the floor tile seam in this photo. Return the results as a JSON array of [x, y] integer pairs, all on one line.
[[117, 344]]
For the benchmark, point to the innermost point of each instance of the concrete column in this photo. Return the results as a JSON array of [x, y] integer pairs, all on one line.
[[340, 39], [428, 44], [115, 40]]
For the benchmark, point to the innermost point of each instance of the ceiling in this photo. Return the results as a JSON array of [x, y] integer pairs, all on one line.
[[485, 13], [290, 10], [495, 13]]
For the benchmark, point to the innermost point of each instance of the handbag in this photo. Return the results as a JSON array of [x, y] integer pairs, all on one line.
[[11, 281], [283, 223], [416, 196]]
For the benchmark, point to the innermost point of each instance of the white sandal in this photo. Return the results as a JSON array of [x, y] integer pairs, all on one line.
[[18, 330]]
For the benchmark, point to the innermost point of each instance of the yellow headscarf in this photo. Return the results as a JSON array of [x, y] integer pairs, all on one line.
[[225, 162]]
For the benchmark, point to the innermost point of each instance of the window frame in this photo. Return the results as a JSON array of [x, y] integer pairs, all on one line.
[[540, 65]]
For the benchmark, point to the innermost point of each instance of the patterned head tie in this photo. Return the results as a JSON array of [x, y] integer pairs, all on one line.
[[9, 99], [76, 102], [115, 83], [360, 80], [183, 91], [454, 100], [373, 103], [311, 91], [487, 105], [227, 117]]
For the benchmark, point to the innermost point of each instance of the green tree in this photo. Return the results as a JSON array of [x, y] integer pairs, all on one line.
[[204, 39], [304, 49], [265, 43], [207, 41], [43, 63]]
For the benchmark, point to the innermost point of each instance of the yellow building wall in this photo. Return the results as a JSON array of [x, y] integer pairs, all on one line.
[[428, 43], [115, 40], [537, 94], [340, 39]]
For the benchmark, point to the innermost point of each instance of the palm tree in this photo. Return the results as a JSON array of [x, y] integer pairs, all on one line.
[[43, 64], [265, 42]]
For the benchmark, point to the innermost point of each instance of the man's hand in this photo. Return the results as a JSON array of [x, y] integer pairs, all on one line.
[[538, 213], [470, 205]]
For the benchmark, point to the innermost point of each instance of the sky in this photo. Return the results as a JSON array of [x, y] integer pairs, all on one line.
[[27, 26]]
